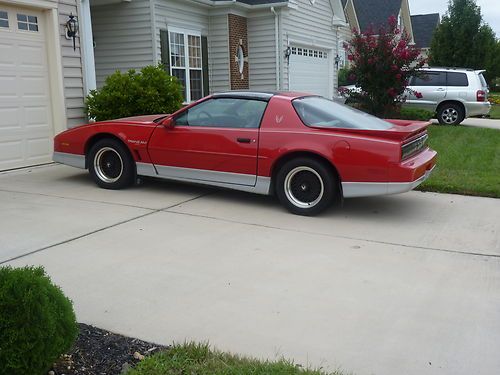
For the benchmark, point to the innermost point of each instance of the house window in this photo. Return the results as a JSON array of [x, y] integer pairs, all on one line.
[[4, 19], [186, 63], [28, 23]]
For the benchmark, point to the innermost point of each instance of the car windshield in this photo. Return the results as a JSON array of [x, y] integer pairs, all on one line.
[[321, 112]]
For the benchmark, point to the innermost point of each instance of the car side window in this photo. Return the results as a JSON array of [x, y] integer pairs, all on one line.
[[457, 79], [224, 113], [430, 78]]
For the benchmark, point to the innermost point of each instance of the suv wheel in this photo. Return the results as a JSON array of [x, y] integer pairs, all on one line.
[[450, 114]]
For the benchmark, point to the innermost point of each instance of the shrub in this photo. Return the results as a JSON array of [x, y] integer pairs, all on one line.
[[414, 114], [148, 92], [382, 63], [37, 322]]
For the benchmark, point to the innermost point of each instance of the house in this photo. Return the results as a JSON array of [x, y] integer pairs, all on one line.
[[210, 45], [423, 26], [365, 15]]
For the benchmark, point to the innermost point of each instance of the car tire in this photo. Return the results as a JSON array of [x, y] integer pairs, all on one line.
[[450, 114], [111, 165], [306, 186]]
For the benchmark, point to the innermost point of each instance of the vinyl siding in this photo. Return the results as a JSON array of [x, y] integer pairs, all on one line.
[[309, 25], [218, 47], [72, 68], [122, 36], [183, 15], [262, 51]]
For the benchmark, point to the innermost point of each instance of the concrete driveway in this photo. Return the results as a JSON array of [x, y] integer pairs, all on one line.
[[407, 284]]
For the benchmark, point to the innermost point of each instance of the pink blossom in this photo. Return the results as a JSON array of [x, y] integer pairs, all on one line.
[[398, 76], [392, 21], [418, 95]]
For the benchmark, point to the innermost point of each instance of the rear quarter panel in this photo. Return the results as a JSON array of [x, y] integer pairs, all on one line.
[[356, 158]]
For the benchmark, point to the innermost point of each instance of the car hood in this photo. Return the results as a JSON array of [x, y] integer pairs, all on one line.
[[144, 119]]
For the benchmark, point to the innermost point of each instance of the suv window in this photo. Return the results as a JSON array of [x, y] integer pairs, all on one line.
[[430, 78], [457, 79], [224, 113]]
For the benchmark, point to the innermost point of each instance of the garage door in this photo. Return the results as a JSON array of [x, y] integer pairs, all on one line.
[[25, 108], [310, 71]]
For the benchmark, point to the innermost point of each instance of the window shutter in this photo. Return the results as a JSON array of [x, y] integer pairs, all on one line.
[[165, 50], [204, 56]]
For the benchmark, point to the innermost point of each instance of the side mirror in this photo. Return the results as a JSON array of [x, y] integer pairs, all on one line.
[[169, 123]]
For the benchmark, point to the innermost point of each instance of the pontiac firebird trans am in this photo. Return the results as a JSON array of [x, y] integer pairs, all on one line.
[[306, 149]]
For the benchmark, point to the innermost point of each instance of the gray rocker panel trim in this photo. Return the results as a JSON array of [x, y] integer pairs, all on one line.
[[235, 181]]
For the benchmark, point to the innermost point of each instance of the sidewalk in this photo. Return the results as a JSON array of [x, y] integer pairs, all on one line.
[[478, 123]]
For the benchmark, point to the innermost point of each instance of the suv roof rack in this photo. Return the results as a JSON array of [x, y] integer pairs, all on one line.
[[449, 68]]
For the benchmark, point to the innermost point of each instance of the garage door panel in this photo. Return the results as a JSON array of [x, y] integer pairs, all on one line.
[[36, 116], [37, 148], [25, 105], [10, 118], [7, 55], [8, 87], [31, 56], [309, 71]]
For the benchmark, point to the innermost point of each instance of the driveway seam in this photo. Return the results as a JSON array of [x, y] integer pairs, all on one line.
[[78, 199], [338, 236], [153, 211]]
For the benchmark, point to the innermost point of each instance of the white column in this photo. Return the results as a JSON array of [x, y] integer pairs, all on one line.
[[87, 46]]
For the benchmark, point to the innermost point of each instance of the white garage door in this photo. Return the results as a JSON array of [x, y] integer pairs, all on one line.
[[310, 71], [25, 109]]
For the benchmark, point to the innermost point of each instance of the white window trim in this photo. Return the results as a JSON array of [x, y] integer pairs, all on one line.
[[187, 68]]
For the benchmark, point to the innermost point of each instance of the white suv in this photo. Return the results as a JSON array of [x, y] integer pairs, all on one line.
[[453, 93]]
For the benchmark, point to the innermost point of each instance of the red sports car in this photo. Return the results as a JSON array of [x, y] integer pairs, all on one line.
[[307, 150]]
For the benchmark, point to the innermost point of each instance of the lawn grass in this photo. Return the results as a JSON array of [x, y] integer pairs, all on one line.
[[199, 359], [468, 161], [495, 111]]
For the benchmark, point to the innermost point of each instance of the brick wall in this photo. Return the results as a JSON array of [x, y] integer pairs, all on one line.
[[238, 37]]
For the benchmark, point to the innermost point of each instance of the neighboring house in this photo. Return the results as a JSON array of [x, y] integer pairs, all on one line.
[[210, 45], [423, 26], [41, 79], [365, 15]]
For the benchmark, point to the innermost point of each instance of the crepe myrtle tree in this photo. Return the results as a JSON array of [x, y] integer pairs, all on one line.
[[382, 63]]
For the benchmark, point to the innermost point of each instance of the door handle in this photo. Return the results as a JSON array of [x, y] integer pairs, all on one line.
[[243, 140], [441, 89]]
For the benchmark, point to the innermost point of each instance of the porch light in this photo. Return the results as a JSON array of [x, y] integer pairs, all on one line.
[[337, 61], [72, 29]]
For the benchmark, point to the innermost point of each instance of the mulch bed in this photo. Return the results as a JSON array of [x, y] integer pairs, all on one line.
[[99, 352]]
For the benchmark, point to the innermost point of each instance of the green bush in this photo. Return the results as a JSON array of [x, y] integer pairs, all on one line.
[[148, 92], [37, 322], [414, 114]]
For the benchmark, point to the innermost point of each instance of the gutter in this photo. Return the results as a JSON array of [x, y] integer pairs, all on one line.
[[277, 4], [277, 47]]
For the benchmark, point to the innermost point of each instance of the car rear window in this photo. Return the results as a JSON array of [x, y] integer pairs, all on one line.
[[457, 79], [483, 80], [320, 112], [430, 78]]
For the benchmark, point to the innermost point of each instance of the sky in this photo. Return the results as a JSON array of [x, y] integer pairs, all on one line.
[[490, 10]]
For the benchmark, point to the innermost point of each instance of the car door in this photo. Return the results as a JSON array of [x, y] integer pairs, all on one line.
[[214, 141], [432, 87]]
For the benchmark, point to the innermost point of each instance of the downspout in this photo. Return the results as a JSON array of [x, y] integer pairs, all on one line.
[[277, 47]]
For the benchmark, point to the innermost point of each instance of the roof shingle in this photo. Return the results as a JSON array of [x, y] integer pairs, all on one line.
[[375, 13], [423, 26]]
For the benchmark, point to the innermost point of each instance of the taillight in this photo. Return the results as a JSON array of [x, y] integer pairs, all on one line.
[[480, 96]]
